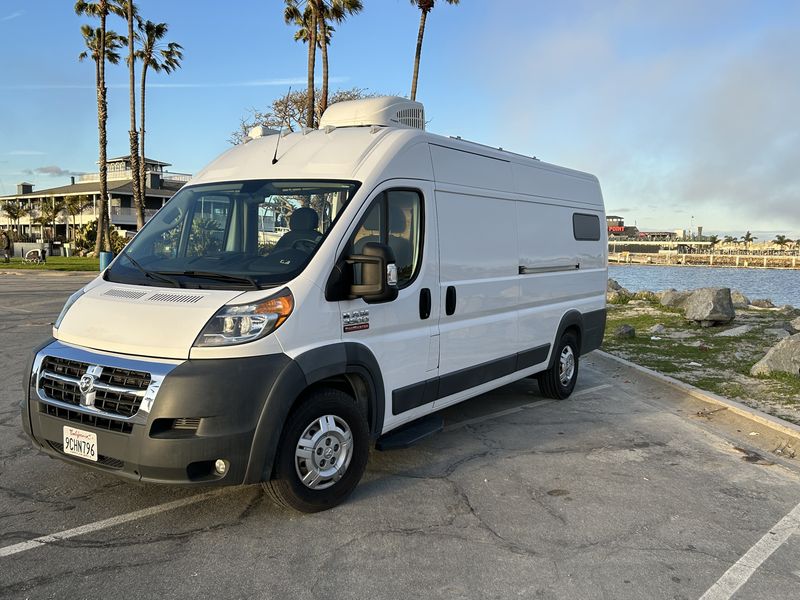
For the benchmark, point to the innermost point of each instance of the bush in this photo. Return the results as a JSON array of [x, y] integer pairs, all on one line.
[[87, 236]]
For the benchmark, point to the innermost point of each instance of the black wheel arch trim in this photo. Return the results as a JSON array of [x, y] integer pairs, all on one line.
[[572, 318], [318, 364], [590, 326]]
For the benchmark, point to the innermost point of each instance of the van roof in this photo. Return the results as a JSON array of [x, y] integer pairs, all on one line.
[[340, 153]]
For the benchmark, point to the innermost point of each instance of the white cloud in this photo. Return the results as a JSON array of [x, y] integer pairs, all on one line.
[[168, 85], [13, 15]]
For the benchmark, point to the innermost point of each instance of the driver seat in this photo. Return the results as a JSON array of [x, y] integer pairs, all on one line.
[[302, 226]]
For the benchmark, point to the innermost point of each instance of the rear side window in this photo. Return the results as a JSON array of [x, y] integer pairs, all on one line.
[[586, 227], [395, 219]]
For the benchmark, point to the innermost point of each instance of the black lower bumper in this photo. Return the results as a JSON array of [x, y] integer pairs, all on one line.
[[237, 406]]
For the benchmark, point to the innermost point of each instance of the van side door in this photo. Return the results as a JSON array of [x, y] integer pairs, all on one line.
[[479, 281]]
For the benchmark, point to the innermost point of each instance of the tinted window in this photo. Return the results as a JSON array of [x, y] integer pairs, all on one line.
[[395, 219], [586, 227]]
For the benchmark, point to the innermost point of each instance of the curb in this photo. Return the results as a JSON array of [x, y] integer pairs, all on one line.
[[45, 272], [784, 427]]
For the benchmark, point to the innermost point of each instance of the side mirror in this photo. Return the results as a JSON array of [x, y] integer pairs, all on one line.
[[375, 272]]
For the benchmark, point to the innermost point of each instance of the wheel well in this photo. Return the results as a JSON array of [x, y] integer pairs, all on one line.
[[577, 331], [351, 384]]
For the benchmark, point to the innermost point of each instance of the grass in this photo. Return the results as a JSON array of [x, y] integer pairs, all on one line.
[[56, 263], [717, 364]]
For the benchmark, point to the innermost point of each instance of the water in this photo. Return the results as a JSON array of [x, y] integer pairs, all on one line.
[[782, 286]]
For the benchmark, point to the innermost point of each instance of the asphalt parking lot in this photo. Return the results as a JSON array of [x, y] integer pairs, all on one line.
[[629, 489]]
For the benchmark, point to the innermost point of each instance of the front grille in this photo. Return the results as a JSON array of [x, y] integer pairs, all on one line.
[[118, 391], [106, 461], [74, 416]]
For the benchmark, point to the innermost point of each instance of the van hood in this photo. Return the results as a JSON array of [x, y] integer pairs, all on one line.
[[141, 320]]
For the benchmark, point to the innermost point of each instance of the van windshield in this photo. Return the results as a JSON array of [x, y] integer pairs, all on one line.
[[234, 235]]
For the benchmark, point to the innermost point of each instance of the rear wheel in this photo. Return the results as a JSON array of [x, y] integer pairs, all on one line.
[[559, 380], [322, 453]]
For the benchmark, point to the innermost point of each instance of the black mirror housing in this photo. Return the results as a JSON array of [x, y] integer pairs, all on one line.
[[376, 285]]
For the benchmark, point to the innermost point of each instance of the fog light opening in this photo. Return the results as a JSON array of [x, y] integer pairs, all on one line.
[[220, 466]]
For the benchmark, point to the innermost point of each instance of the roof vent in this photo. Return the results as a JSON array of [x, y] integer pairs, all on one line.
[[385, 111]]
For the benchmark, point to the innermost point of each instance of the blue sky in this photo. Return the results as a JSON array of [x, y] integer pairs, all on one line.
[[688, 112]]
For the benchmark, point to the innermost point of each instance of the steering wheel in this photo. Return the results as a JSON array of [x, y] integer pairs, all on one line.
[[306, 246]]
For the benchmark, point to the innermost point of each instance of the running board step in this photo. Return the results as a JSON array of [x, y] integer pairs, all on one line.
[[410, 434]]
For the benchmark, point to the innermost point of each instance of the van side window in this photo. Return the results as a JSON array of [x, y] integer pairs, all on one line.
[[586, 227], [395, 219]]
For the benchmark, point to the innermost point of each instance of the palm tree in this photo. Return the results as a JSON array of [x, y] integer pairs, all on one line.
[[128, 10], [75, 205], [781, 240], [14, 211], [306, 19], [102, 46], [714, 240], [162, 59], [425, 6], [747, 238], [48, 213], [336, 11]]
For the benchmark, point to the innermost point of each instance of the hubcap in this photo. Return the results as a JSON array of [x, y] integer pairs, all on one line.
[[323, 452], [566, 365]]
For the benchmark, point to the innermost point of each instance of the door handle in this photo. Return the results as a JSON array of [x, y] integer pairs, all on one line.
[[450, 300], [424, 303]]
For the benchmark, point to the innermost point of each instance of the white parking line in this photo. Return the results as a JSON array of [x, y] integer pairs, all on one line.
[[106, 523], [735, 577]]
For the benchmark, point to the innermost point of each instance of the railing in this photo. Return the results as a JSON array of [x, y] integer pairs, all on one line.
[[128, 174], [120, 211]]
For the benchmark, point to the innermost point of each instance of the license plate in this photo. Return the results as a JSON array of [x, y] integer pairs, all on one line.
[[80, 443]]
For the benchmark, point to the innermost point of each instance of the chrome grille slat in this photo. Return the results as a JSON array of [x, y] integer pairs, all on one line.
[[59, 380]]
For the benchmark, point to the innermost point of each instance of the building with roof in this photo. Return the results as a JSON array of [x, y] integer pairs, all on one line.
[[160, 185]]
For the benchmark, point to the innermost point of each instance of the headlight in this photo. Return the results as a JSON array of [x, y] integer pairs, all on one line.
[[241, 323], [70, 301]]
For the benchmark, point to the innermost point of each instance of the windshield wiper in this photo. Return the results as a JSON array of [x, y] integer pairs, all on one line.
[[213, 275], [151, 274]]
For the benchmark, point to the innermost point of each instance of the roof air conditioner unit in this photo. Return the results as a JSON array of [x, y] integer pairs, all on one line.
[[384, 111]]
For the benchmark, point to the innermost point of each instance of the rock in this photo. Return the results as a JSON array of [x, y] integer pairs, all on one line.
[[775, 332], [739, 299], [617, 297], [783, 357], [625, 331], [710, 306], [657, 329], [795, 324], [674, 298], [645, 295], [734, 331], [680, 335], [762, 303], [613, 286]]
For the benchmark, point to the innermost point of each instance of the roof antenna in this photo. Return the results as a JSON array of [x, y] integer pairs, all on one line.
[[285, 115]]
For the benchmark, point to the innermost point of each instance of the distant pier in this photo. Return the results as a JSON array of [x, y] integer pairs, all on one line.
[[750, 261]]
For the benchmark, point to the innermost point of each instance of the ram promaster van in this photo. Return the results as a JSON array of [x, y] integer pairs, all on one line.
[[312, 294]]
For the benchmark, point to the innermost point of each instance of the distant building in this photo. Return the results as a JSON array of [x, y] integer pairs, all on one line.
[[161, 185]]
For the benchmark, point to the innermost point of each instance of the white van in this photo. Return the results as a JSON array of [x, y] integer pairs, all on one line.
[[312, 294]]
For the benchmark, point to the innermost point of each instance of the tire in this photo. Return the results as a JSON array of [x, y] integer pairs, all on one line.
[[559, 380], [316, 468]]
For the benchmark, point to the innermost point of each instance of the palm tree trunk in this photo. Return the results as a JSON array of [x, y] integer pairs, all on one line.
[[420, 35], [134, 136], [98, 246], [323, 32], [312, 55], [142, 182]]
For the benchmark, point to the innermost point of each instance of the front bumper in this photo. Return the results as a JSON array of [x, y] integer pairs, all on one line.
[[192, 414]]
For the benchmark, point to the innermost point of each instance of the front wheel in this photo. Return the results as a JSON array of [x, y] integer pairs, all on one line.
[[559, 380], [322, 453]]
